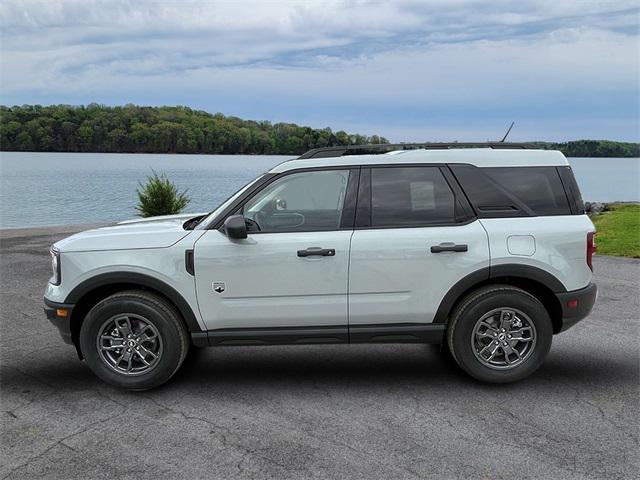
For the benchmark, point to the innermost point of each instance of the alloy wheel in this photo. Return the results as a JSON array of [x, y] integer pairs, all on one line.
[[129, 344], [503, 338]]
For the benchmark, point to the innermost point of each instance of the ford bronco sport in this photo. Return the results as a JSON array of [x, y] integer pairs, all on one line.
[[485, 248]]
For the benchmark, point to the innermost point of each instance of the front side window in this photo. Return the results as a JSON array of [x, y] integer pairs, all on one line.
[[406, 196], [304, 201]]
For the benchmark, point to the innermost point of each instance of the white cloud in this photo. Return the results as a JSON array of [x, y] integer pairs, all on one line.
[[424, 56], [192, 34]]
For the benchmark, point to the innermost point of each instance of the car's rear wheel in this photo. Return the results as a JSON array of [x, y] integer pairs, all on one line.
[[500, 334], [134, 340]]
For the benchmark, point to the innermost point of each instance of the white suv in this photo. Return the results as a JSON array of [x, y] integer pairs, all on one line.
[[485, 248]]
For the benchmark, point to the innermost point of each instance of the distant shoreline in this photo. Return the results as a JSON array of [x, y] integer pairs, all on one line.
[[131, 129]]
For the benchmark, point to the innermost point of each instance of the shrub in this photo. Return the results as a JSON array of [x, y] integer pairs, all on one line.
[[159, 196]]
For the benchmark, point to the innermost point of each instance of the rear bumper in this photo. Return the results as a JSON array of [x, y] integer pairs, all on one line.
[[60, 315], [577, 305]]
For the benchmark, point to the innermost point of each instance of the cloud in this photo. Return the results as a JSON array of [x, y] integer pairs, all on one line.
[[378, 66]]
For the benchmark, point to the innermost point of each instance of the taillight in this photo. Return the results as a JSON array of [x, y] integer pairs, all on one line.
[[591, 248]]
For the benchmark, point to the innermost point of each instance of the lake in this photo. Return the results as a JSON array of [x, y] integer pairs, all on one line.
[[41, 189]]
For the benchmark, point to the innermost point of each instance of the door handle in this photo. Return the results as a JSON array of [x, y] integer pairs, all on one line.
[[449, 247], [321, 252]]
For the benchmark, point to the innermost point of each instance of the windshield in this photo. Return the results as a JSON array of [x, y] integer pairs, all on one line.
[[209, 218]]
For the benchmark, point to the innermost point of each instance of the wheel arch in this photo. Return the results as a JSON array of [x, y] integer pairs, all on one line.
[[541, 284], [85, 295]]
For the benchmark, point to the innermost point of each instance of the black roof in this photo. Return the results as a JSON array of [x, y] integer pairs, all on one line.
[[339, 151]]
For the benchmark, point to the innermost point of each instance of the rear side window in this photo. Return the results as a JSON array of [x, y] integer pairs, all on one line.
[[411, 196], [513, 191]]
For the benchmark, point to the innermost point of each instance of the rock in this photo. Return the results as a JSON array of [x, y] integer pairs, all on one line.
[[595, 208]]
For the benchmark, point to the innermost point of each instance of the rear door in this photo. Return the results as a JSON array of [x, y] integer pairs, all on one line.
[[415, 237]]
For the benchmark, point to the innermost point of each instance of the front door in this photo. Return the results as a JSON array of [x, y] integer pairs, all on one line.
[[291, 271]]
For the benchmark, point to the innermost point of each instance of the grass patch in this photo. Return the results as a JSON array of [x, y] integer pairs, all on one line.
[[619, 230]]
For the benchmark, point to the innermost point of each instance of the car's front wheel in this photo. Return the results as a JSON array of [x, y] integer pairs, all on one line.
[[500, 334], [134, 340]]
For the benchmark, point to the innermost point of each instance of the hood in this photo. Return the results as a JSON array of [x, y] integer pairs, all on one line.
[[180, 216], [153, 232]]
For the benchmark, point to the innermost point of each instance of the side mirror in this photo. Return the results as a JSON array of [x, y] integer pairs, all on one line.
[[281, 204], [235, 227]]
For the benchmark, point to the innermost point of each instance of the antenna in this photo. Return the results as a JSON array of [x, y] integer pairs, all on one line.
[[507, 134]]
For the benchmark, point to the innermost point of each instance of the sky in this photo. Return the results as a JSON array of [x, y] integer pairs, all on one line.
[[408, 70]]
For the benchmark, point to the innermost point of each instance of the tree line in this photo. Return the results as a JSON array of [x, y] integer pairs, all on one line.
[[594, 148], [136, 129]]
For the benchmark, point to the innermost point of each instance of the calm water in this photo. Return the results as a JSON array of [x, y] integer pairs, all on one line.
[[38, 189]]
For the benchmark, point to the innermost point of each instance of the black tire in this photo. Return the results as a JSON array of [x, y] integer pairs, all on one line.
[[155, 311], [461, 332]]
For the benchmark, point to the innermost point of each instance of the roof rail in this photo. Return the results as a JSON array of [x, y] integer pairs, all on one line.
[[340, 150]]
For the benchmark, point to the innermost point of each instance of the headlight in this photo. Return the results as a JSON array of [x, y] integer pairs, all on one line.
[[55, 267]]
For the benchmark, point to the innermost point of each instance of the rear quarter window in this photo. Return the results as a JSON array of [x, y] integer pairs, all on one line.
[[571, 187], [513, 191], [540, 188]]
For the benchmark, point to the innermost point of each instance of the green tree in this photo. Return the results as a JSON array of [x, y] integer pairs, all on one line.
[[159, 196], [97, 128], [25, 142]]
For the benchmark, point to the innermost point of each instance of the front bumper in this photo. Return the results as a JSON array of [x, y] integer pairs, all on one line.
[[60, 315], [577, 304]]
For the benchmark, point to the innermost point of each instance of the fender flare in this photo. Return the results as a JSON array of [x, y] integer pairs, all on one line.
[[528, 272], [483, 275], [142, 280]]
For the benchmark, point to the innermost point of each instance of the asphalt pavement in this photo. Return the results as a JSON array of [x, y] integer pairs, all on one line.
[[340, 412]]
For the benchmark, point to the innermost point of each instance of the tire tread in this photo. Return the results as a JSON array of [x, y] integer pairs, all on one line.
[[164, 307], [469, 300]]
